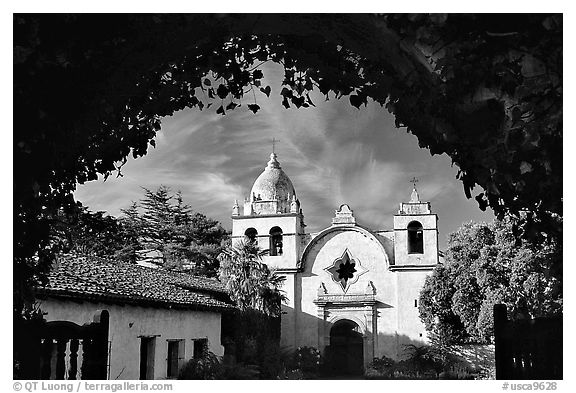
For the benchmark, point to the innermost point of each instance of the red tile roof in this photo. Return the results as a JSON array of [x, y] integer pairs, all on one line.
[[98, 279]]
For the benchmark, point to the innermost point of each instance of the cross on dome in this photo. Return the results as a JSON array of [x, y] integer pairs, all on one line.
[[274, 141]]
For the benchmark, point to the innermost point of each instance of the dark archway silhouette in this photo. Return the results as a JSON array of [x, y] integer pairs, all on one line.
[[346, 350], [275, 241], [415, 238], [251, 235]]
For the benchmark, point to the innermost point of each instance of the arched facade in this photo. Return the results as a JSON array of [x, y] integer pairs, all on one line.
[[345, 272], [333, 229]]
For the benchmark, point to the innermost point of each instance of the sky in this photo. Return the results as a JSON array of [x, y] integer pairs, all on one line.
[[333, 154]]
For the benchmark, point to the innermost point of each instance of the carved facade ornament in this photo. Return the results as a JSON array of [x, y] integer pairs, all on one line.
[[236, 209], [294, 205], [370, 289], [415, 206], [345, 270], [344, 216]]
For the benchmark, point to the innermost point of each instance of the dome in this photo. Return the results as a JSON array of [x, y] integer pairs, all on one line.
[[273, 183]]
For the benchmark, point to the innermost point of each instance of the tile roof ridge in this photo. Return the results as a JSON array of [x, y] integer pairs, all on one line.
[[184, 280]]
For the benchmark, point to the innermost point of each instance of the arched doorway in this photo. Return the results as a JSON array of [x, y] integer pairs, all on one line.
[[345, 354]]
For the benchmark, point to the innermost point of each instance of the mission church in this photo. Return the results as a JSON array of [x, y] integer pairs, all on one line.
[[352, 292]]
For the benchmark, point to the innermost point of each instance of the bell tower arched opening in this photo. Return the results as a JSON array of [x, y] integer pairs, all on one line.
[[415, 238], [275, 241], [250, 235]]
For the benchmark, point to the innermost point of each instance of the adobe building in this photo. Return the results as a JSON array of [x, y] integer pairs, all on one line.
[[352, 291], [158, 319]]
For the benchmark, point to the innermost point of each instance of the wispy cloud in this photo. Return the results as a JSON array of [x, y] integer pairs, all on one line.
[[333, 153]]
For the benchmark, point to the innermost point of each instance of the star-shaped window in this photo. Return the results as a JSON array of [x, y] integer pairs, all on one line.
[[345, 270]]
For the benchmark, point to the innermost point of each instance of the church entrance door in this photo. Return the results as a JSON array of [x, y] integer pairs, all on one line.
[[345, 354]]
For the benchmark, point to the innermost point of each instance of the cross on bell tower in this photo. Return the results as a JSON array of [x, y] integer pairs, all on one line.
[[414, 197]]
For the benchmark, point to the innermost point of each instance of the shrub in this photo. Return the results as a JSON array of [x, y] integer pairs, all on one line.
[[205, 367], [275, 361], [237, 371], [250, 334], [382, 363], [210, 366], [292, 375], [486, 373], [307, 359], [422, 363], [380, 368]]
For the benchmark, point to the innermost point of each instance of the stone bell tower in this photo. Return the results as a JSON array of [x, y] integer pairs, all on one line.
[[272, 218], [415, 233]]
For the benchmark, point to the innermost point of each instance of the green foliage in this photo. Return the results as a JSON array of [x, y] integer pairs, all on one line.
[[93, 233], [211, 366], [205, 367], [160, 228], [238, 372], [382, 363], [421, 358], [307, 359], [250, 283], [256, 290], [485, 264], [484, 89], [253, 338], [505, 82], [419, 365], [421, 362], [170, 234], [274, 361]]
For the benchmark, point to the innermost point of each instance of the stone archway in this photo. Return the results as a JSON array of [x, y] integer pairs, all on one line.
[[345, 353]]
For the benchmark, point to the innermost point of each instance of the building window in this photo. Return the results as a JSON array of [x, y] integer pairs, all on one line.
[[147, 349], [175, 357], [415, 302], [200, 348], [250, 235], [415, 238], [275, 241]]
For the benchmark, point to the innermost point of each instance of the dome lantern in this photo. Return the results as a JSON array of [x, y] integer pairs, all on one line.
[[272, 191]]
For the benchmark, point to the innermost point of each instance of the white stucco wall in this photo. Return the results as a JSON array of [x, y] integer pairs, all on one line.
[[410, 327], [289, 319], [396, 275], [397, 318], [429, 224], [291, 236], [387, 240], [129, 323]]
